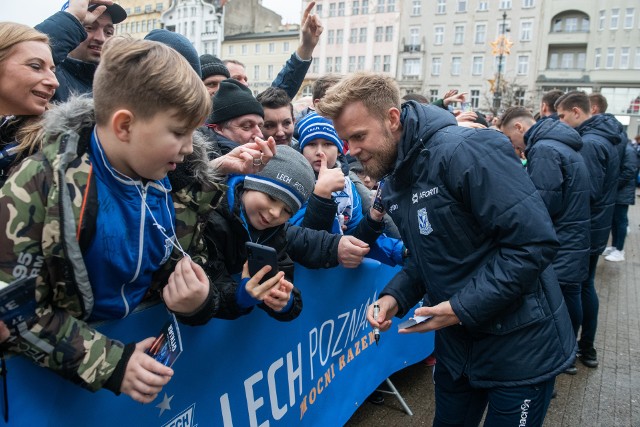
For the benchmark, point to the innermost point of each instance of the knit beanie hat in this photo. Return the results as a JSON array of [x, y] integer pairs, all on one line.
[[288, 177], [178, 42], [212, 66], [233, 99], [314, 126]]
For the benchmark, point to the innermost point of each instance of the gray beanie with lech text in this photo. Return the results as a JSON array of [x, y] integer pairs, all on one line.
[[287, 177]]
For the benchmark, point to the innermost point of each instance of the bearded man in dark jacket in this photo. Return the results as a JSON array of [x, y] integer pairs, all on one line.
[[561, 177], [481, 244], [601, 134]]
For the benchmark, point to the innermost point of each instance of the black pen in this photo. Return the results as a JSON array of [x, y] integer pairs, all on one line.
[[376, 331]]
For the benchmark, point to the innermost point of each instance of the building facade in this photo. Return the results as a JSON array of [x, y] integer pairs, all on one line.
[[263, 54], [142, 16], [201, 21]]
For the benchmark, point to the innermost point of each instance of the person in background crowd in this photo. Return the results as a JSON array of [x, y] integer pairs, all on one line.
[[480, 247], [415, 97], [562, 180], [27, 84], [77, 35], [213, 72], [292, 75], [547, 105], [600, 136], [278, 115]]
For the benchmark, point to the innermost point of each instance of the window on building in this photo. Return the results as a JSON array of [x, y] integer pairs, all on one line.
[[231, 50], [636, 62], [353, 38], [602, 16], [505, 4], [526, 28], [148, 8], [436, 65], [377, 63], [319, 10], [628, 18], [458, 34], [566, 61], [527, 3], [584, 27], [143, 25], [285, 47], [477, 66], [483, 6], [475, 98], [624, 58], [365, 7], [553, 61], [411, 67], [339, 36], [456, 63], [414, 36], [256, 72], [159, 7], [380, 6], [571, 25], [480, 36], [194, 11], [256, 49], [363, 35], [245, 49], [272, 47], [269, 72], [355, 9], [338, 64], [378, 34], [416, 10], [341, 8], [461, 6], [433, 95], [331, 36], [581, 61], [597, 57], [503, 28], [523, 65], [386, 63], [328, 68], [360, 63], [615, 16], [438, 36], [441, 7], [352, 64], [332, 9], [315, 65], [391, 5], [388, 33], [611, 54], [518, 96]]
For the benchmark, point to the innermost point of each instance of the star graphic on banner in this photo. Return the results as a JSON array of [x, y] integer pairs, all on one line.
[[165, 404]]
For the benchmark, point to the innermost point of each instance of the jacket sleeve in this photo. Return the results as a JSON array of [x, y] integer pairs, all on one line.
[[545, 170], [595, 157], [55, 337], [292, 75], [65, 33], [512, 213], [406, 287], [320, 213], [312, 248], [628, 168]]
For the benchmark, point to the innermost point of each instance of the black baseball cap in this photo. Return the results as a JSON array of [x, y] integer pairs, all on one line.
[[116, 12]]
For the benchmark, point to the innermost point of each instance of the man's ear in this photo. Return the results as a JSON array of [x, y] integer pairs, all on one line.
[[394, 118], [518, 126], [121, 123]]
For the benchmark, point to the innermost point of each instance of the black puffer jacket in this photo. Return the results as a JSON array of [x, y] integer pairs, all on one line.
[[562, 180], [480, 238], [627, 179], [600, 135]]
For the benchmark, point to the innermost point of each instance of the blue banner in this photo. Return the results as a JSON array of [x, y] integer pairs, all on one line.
[[253, 371]]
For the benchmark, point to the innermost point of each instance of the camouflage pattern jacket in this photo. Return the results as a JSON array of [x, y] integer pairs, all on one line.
[[47, 210]]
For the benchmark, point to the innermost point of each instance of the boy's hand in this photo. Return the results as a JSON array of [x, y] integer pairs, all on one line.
[[351, 251], [260, 290], [246, 159], [278, 297], [388, 308], [144, 377], [329, 180], [187, 287]]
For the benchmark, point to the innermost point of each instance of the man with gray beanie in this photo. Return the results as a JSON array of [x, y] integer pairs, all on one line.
[[213, 72]]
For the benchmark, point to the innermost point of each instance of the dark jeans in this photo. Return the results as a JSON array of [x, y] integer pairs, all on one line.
[[590, 305], [619, 226], [572, 294], [459, 404]]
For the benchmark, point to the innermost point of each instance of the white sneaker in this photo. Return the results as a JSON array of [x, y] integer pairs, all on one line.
[[615, 256], [608, 250]]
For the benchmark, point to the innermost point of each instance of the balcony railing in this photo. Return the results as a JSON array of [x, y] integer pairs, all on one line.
[[412, 48]]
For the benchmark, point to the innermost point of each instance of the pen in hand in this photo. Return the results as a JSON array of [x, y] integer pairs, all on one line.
[[376, 330]]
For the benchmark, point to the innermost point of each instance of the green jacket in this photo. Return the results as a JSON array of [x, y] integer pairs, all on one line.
[[47, 211]]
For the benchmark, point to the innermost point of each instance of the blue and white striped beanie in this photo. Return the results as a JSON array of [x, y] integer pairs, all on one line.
[[314, 126], [287, 177]]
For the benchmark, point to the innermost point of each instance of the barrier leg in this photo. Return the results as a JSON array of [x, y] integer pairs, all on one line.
[[394, 391]]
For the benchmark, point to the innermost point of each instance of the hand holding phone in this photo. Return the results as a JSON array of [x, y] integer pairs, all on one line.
[[260, 255], [413, 321]]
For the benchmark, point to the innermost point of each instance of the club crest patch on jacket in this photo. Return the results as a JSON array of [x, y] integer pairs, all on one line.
[[424, 226]]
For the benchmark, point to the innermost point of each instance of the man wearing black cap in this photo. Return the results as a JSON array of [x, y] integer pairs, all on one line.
[[213, 72], [77, 34], [236, 117]]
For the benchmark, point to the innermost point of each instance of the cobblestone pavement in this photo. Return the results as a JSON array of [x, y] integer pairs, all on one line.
[[606, 396]]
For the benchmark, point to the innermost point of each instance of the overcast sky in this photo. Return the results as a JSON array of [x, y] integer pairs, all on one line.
[[32, 12]]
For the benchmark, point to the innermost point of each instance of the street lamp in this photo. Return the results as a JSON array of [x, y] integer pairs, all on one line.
[[501, 46]]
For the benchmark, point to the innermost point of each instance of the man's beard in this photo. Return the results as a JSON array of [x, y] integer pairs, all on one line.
[[382, 161]]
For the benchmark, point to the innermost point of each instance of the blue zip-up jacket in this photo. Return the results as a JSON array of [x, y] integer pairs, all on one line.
[[74, 76], [627, 179], [480, 237], [562, 180], [600, 135]]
